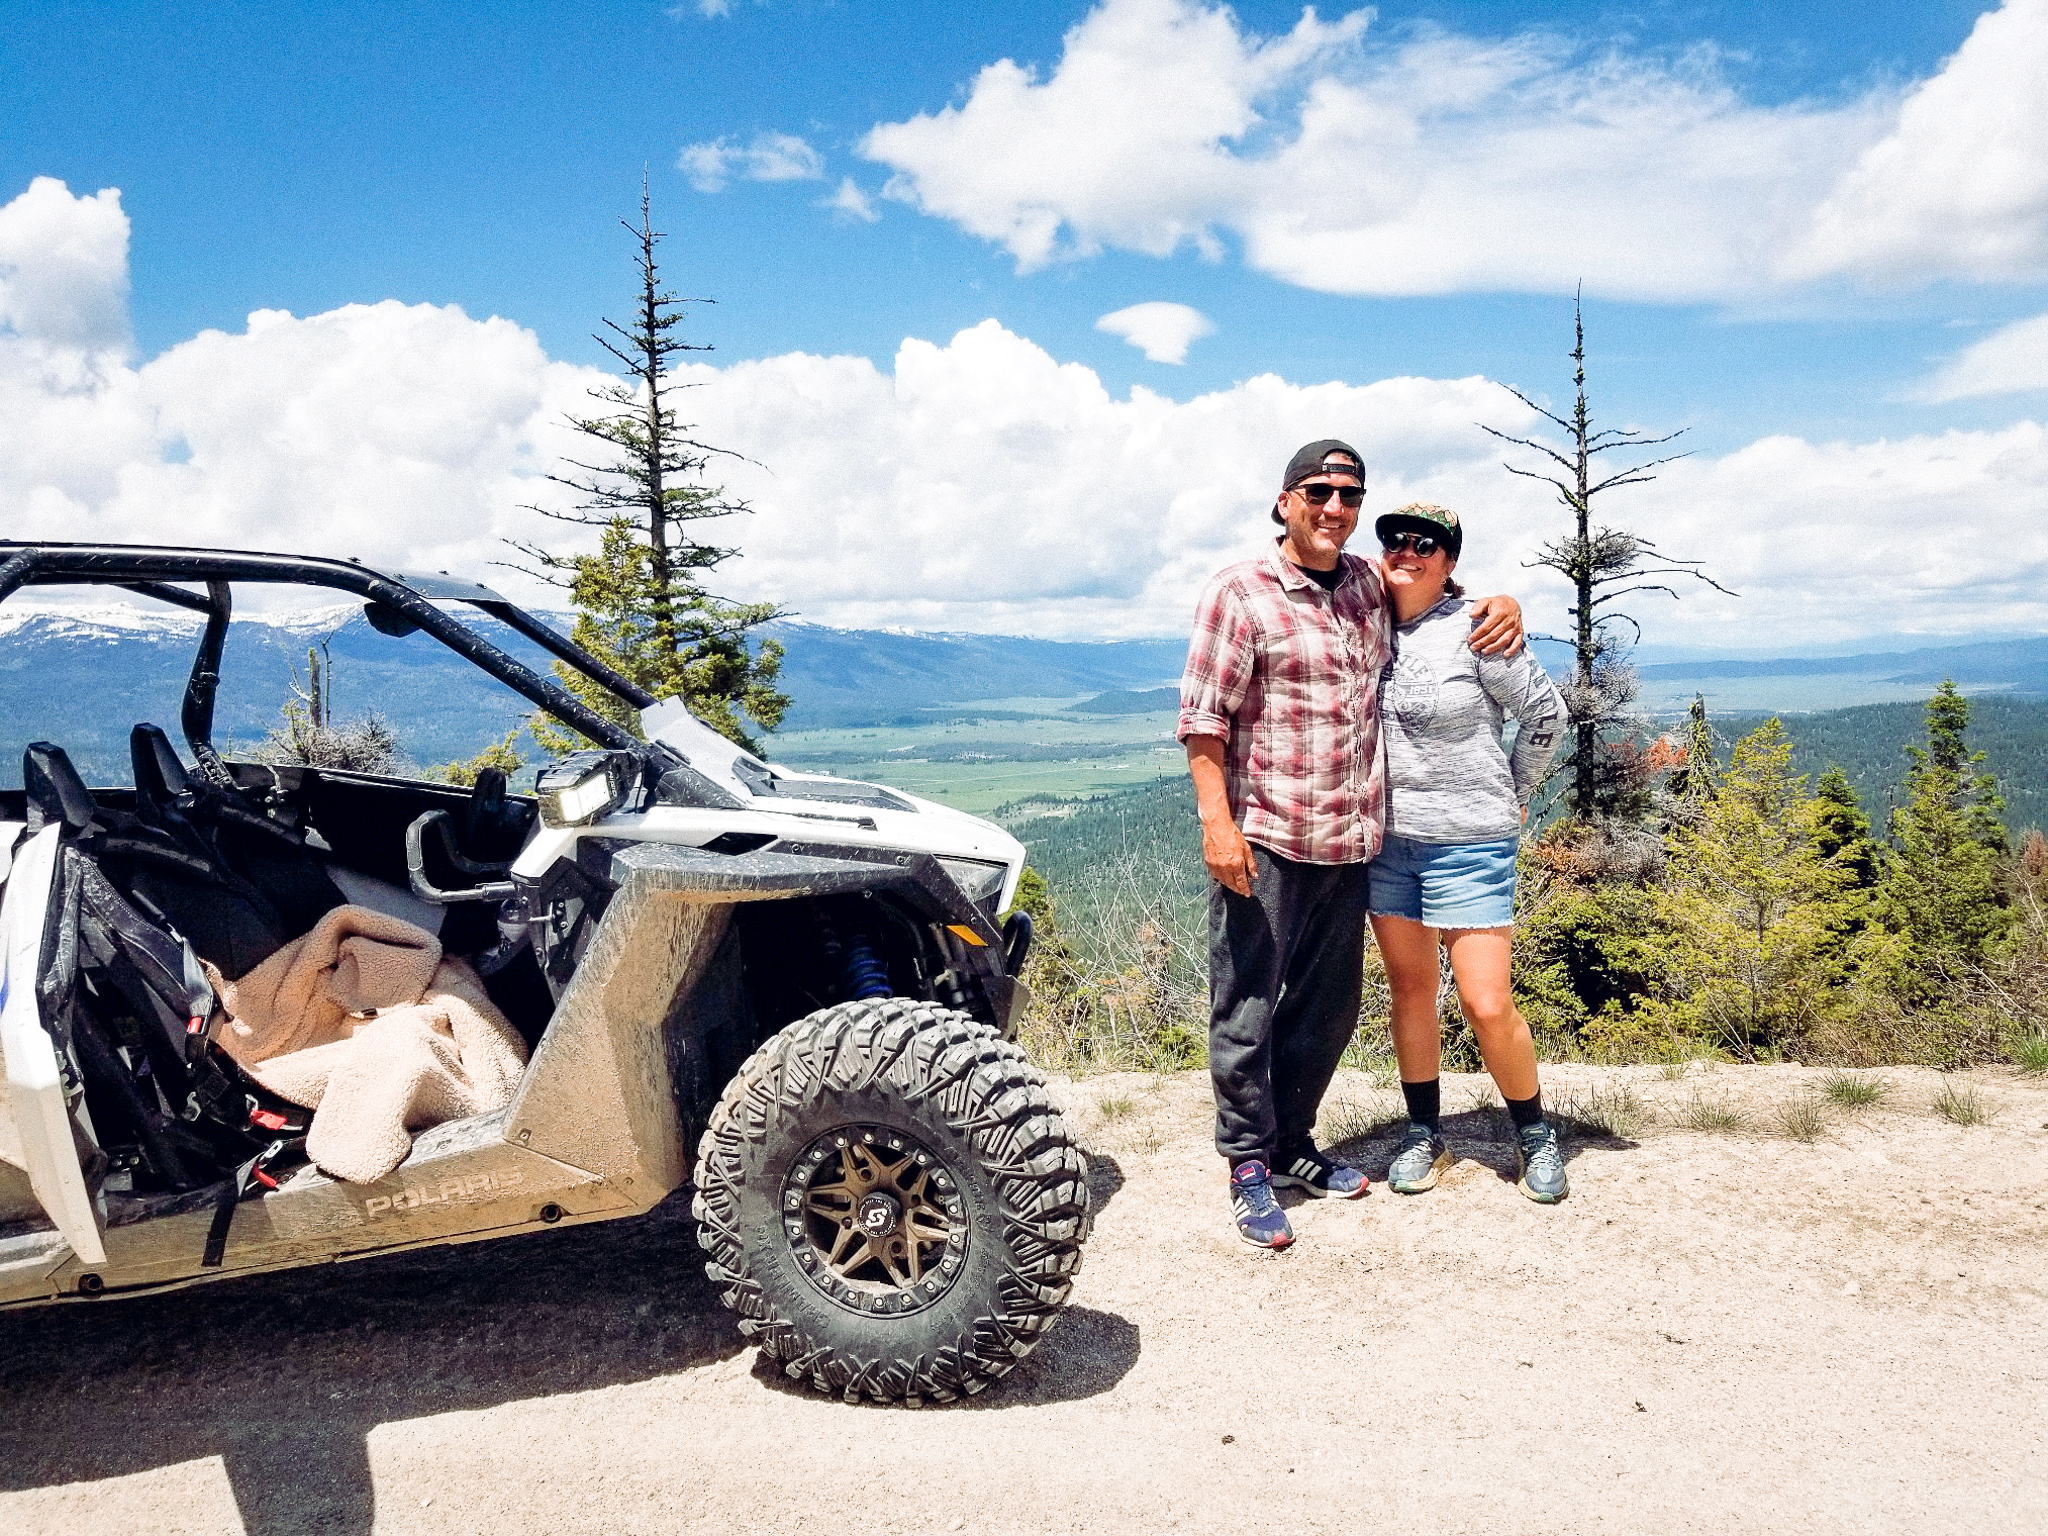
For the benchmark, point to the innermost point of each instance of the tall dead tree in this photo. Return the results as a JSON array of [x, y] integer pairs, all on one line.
[[641, 601], [1603, 564]]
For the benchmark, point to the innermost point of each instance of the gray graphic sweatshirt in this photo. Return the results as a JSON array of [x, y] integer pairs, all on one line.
[[1441, 708]]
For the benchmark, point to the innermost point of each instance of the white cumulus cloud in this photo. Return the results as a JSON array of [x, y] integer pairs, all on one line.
[[984, 484], [1832, 541], [2010, 361], [64, 268], [1124, 145], [766, 157], [850, 201], [996, 488], [1959, 185], [409, 434], [1162, 331], [975, 484], [1436, 162]]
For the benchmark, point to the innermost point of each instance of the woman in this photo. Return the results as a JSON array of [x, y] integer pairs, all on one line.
[[1455, 807]]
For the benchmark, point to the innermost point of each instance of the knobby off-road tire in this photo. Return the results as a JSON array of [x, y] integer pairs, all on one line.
[[883, 1111]]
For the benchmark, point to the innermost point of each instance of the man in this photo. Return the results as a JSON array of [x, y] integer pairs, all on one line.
[[1280, 716]]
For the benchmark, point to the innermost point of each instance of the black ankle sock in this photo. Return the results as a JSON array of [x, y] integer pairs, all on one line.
[[1525, 1112], [1425, 1101]]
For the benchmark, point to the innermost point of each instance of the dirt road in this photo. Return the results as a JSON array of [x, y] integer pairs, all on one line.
[[1728, 1331]]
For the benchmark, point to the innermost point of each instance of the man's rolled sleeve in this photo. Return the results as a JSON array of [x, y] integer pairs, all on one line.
[[1221, 656]]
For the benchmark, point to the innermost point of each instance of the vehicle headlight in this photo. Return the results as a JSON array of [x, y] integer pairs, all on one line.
[[583, 786], [977, 877]]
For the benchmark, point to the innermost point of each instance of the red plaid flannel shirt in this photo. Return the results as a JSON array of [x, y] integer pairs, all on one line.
[[1289, 676]]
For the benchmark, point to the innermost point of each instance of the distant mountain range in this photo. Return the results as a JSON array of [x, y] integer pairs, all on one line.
[[882, 677], [83, 677], [2016, 667]]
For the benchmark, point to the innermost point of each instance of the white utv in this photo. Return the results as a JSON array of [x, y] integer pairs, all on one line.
[[790, 990]]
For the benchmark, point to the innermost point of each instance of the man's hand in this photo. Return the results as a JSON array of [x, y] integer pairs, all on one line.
[[1496, 626], [1228, 855], [1224, 849]]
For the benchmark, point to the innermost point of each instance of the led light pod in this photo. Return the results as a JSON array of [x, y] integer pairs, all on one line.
[[584, 786], [978, 878]]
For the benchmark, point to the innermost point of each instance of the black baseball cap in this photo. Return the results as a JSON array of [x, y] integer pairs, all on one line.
[[1325, 456]]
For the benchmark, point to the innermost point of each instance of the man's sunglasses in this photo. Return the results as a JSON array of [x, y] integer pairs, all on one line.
[[1423, 544], [1316, 495]]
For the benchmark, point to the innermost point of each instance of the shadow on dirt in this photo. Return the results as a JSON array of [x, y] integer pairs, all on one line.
[[1105, 1178], [283, 1376], [1484, 1136], [1086, 1353]]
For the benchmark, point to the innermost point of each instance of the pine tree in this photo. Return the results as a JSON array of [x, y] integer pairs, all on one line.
[[1842, 832], [500, 754], [1696, 779], [640, 600], [1756, 914], [1946, 887]]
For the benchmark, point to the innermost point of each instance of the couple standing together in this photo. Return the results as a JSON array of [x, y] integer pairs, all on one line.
[[1342, 719]]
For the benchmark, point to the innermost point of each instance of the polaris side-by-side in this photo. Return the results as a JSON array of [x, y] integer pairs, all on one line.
[[790, 990]]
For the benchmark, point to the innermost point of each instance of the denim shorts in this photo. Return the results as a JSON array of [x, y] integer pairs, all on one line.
[[1445, 885]]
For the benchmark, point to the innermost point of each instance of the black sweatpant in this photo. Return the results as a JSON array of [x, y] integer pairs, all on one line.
[[1286, 969]]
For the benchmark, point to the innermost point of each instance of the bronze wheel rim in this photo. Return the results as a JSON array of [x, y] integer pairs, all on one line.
[[875, 1219]]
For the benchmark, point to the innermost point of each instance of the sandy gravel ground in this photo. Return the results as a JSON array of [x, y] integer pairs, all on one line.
[[1721, 1331]]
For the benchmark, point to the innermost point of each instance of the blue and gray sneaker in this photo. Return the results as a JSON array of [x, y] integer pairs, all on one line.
[[1319, 1177], [1542, 1163], [1260, 1221], [1419, 1162]]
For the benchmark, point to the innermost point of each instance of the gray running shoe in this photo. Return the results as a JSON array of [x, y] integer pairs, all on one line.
[[1420, 1161], [1542, 1163]]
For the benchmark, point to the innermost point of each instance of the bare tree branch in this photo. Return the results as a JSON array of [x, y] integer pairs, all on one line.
[[1603, 566], [1530, 442]]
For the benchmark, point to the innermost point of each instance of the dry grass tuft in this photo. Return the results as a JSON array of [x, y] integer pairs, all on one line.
[[1960, 1104], [1800, 1118], [1116, 1106], [1147, 1138], [1349, 1119], [1855, 1090], [1482, 1097], [1604, 1109], [1714, 1115], [1374, 1059]]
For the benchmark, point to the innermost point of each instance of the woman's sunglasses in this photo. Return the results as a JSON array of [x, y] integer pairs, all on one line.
[[1423, 544], [1316, 495]]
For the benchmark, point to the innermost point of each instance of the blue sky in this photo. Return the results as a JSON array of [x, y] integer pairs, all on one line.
[[305, 156], [310, 157]]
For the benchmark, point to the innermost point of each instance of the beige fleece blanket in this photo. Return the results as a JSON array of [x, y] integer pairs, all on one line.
[[366, 1023]]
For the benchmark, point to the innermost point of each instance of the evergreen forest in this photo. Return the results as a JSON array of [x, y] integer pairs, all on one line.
[[1859, 887]]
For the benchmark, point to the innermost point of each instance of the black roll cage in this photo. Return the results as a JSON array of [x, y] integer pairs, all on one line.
[[395, 603]]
